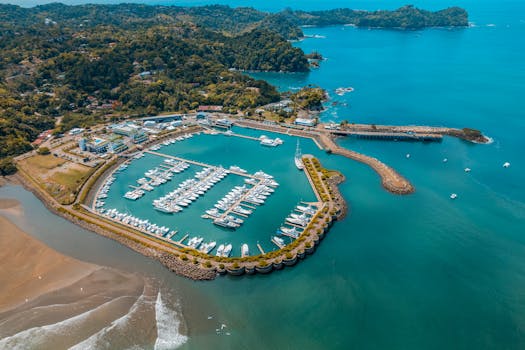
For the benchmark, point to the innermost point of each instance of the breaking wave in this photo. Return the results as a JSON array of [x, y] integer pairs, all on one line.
[[33, 337], [168, 324], [94, 341]]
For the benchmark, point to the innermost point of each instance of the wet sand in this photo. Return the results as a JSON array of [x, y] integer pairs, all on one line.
[[11, 206], [29, 268], [48, 300], [52, 301]]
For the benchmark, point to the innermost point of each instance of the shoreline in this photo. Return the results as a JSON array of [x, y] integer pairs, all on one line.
[[177, 259], [194, 265], [180, 268], [43, 290]]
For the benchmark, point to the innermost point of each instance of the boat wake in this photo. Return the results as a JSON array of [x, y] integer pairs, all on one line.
[[168, 324]]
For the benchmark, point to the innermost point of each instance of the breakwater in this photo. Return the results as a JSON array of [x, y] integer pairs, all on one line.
[[391, 180]]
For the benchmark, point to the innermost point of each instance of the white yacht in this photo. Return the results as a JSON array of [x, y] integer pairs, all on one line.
[[220, 250], [298, 157], [238, 169], [278, 241], [290, 232], [227, 251], [245, 251]]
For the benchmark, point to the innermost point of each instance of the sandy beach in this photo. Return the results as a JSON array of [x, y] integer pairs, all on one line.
[[52, 301]]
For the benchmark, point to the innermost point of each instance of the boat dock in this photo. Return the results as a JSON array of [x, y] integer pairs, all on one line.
[[395, 136], [281, 246], [183, 238], [199, 163], [171, 234], [260, 248], [239, 202], [230, 133]]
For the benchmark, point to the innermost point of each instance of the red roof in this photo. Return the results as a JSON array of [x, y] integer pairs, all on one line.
[[37, 142]]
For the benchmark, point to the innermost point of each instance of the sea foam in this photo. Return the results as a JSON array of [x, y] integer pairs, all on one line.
[[33, 337], [94, 341], [168, 323]]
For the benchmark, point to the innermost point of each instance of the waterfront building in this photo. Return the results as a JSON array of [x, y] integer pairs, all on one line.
[[125, 129], [139, 137], [223, 123], [205, 108], [305, 122], [162, 118], [117, 146]]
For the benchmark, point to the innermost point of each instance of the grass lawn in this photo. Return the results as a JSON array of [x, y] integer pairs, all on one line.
[[59, 177]]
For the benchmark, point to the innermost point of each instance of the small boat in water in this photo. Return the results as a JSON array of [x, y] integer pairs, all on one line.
[[467, 170], [220, 250], [245, 251], [453, 196], [227, 251], [290, 232], [506, 164], [278, 241]]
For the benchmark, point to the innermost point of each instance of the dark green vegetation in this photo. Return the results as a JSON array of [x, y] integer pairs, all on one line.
[[407, 17], [91, 63], [309, 98], [85, 62], [7, 166]]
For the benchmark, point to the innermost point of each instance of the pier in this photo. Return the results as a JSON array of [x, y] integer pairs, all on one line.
[[395, 136], [204, 165], [238, 202], [260, 248], [171, 234], [183, 238]]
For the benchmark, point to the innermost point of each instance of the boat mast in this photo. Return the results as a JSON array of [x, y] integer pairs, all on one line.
[[298, 151]]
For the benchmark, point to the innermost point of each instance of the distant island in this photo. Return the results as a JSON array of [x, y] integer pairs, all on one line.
[[63, 66]]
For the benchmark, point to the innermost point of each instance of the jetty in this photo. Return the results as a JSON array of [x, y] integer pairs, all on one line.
[[395, 136], [390, 179], [260, 248], [204, 165]]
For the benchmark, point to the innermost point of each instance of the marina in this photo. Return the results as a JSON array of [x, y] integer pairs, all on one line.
[[193, 191]]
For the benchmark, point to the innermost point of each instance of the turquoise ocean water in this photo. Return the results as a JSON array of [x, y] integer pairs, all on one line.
[[412, 272]]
